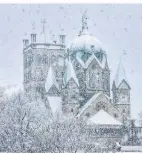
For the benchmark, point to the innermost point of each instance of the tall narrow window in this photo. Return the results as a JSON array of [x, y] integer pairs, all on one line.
[[38, 60], [45, 59]]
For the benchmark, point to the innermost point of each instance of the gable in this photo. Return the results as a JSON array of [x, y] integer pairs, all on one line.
[[103, 118], [89, 61], [93, 63], [72, 84], [95, 98], [54, 91], [124, 85], [98, 102]]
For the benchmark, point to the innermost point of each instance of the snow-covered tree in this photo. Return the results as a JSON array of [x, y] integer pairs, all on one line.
[[63, 136], [19, 119]]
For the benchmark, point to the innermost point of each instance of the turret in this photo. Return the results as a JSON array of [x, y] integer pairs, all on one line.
[[25, 43], [121, 87], [121, 91], [33, 38]]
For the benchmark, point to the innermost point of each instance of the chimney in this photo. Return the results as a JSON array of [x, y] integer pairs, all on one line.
[[62, 39], [33, 38], [25, 43]]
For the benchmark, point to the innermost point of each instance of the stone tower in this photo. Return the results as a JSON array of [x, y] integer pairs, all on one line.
[[121, 91], [37, 58]]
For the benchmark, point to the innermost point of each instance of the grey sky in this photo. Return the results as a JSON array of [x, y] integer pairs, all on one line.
[[118, 27]]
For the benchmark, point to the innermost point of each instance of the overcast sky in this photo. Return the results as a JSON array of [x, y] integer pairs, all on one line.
[[118, 27]]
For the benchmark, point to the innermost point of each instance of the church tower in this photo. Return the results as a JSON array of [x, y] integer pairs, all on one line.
[[121, 91], [38, 56]]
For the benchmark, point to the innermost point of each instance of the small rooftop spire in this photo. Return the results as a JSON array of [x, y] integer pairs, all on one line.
[[44, 30], [84, 21], [84, 30], [33, 27]]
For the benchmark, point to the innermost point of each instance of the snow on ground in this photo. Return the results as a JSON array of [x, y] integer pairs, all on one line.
[[131, 148]]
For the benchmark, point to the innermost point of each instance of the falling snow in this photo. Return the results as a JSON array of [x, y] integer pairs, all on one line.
[[67, 102]]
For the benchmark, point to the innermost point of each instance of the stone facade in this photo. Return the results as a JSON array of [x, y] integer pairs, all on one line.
[[37, 58], [81, 71]]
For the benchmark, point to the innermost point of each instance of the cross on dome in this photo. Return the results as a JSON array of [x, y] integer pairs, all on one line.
[[84, 21]]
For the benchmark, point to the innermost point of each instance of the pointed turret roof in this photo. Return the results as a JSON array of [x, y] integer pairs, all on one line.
[[120, 74], [70, 73], [51, 80]]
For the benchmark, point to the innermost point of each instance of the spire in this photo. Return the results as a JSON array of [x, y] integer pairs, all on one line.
[[33, 27], [84, 21], [44, 30], [70, 74], [51, 80], [120, 74], [84, 24]]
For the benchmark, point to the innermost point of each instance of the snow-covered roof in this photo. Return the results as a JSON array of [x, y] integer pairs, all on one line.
[[70, 73], [103, 118], [56, 105], [89, 102], [85, 41], [120, 75], [131, 148], [91, 58], [51, 80]]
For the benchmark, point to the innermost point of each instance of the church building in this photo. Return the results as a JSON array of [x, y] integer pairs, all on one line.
[[77, 79]]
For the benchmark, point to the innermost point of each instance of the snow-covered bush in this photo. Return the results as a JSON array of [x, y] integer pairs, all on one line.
[[27, 126]]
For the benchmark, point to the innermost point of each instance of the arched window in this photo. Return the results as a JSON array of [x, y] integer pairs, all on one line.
[[38, 60], [94, 77], [93, 66], [93, 80], [38, 73], [123, 111], [115, 115], [87, 114], [45, 59], [53, 58], [25, 63], [98, 107], [29, 75]]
